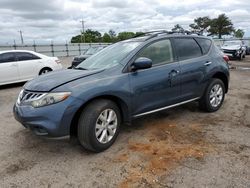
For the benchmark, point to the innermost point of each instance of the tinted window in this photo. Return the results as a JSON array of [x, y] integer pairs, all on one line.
[[204, 44], [7, 57], [24, 56], [159, 52], [187, 48]]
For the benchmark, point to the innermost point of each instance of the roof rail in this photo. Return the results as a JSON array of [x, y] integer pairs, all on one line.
[[155, 33]]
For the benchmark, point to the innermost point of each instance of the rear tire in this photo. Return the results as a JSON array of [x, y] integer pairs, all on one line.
[[44, 71], [99, 125], [213, 97]]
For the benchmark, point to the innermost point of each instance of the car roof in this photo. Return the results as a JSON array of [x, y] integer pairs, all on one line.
[[29, 51], [157, 36], [5, 51]]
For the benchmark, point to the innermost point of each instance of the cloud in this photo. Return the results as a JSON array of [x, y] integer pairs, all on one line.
[[110, 3], [59, 20]]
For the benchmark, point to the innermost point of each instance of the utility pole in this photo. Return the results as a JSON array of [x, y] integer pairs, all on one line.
[[82, 21], [21, 36], [81, 35], [14, 44]]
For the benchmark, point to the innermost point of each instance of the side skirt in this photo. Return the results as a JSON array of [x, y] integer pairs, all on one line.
[[166, 107]]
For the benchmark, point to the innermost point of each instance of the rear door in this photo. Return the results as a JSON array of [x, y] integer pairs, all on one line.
[[158, 86], [193, 61], [8, 68], [28, 65]]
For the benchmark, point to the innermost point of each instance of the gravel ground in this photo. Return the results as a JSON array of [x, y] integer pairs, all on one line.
[[180, 147]]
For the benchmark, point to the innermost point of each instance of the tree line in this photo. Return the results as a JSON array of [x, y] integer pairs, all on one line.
[[216, 27], [90, 36]]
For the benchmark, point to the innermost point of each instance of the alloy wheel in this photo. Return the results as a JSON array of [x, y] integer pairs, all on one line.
[[216, 95], [45, 71], [106, 126]]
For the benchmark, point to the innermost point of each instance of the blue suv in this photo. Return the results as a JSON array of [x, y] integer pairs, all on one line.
[[124, 81]]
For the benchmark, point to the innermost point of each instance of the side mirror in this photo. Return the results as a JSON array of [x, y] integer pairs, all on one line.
[[141, 63]]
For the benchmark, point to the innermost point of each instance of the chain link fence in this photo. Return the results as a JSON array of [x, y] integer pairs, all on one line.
[[58, 50], [74, 49]]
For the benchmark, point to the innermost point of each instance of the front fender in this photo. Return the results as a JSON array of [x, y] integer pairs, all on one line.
[[116, 88]]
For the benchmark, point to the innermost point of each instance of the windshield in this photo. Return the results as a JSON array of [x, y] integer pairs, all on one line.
[[109, 56], [229, 43]]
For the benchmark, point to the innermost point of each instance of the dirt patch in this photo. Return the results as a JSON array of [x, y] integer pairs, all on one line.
[[122, 158], [166, 147], [20, 165], [247, 96]]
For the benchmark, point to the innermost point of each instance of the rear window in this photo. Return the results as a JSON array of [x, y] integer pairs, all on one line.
[[187, 48], [24, 56], [204, 44], [7, 57]]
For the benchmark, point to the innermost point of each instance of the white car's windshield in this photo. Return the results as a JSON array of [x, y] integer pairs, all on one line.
[[230, 43], [109, 57], [91, 51]]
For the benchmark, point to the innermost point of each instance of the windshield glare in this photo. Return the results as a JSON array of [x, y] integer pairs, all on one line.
[[91, 51], [110, 56]]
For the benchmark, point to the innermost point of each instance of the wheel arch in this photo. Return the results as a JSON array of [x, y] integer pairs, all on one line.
[[117, 100], [222, 76], [46, 67]]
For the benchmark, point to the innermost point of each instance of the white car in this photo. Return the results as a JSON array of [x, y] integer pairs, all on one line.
[[23, 65], [234, 49]]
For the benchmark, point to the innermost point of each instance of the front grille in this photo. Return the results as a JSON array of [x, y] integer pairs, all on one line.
[[26, 96], [229, 51]]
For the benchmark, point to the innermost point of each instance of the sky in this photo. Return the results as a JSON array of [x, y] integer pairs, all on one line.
[[44, 21]]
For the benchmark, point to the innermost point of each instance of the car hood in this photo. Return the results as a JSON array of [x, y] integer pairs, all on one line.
[[232, 47], [55, 79]]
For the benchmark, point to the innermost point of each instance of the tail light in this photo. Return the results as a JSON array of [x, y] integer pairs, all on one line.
[[57, 61], [226, 58]]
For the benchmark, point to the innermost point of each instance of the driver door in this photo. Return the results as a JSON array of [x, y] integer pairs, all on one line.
[[158, 86]]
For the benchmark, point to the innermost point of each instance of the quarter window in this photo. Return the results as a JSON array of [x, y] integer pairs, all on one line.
[[159, 52], [204, 44], [187, 48], [7, 57]]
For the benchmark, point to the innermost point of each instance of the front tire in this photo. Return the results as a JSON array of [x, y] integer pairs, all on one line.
[[213, 96], [99, 125]]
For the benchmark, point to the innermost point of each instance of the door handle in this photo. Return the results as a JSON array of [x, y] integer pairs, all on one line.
[[208, 63], [172, 74]]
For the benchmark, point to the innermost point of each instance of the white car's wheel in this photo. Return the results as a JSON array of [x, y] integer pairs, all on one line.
[[44, 71]]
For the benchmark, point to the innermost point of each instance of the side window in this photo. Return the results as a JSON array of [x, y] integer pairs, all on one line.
[[7, 57], [159, 52], [204, 44], [25, 56], [187, 48]]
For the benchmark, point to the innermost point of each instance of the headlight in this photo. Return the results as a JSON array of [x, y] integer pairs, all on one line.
[[50, 98]]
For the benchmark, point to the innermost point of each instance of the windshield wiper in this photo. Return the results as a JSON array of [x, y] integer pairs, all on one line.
[[80, 68]]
